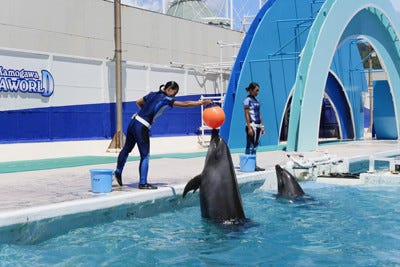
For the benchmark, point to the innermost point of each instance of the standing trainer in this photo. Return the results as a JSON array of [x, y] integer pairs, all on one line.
[[254, 125], [151, 106]]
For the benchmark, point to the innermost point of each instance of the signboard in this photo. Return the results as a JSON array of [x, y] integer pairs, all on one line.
[[26, 81]]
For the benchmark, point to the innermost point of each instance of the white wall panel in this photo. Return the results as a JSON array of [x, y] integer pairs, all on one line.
[[86, 29], [159, 76], [79, 81], [136, 82]]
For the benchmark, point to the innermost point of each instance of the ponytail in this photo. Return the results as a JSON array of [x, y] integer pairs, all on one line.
[[171, 84]]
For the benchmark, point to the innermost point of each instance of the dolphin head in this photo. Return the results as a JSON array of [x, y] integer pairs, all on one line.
[[287, 184], [217, 149]]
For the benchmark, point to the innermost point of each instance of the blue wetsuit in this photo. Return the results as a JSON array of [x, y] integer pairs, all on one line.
[[252, 142], [154, 105]]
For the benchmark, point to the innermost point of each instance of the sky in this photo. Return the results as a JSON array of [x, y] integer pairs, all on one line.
[[241, 8], [396, 4]]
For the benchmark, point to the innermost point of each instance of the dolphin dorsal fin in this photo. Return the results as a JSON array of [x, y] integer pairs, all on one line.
[[193, 184]]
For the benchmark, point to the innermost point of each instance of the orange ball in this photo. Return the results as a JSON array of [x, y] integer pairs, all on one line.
[[214, 116]]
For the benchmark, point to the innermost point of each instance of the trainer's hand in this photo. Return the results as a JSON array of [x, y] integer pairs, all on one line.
[[250, 131], [205, 101]]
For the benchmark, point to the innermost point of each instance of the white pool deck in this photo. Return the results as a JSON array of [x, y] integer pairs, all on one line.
[[28, 196]]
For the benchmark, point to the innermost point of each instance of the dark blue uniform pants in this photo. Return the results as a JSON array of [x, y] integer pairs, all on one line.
[[136, 133]]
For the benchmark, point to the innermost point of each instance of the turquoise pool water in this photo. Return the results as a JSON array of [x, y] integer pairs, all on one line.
[[342, 226]]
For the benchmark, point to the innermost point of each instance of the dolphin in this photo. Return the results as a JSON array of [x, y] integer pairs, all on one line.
[[220, 199], [288, 187]]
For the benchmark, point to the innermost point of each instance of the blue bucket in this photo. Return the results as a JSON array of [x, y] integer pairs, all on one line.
[[247, 163], [101, 180]]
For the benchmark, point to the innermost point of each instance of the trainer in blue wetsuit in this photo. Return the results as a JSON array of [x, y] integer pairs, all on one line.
[[254, 126], [151, 106]]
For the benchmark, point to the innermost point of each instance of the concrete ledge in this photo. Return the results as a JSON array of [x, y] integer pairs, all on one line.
[[339, 181], [32, 225], [380, 178]]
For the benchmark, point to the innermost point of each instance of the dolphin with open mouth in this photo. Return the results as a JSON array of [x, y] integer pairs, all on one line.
[[220, 198]]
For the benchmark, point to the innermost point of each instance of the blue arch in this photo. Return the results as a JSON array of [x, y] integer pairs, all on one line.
[[335, 90], [271, 59], [384, 120], [236, 69], [270, 56], [337, 21]]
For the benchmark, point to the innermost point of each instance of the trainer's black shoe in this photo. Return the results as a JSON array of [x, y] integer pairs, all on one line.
[[118, 177], [147, 186], [259, 169]]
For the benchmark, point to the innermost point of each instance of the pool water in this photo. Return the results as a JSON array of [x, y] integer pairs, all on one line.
[[340, 226]]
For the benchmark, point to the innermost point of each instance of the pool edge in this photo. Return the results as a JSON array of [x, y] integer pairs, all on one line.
[[35, 224]]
